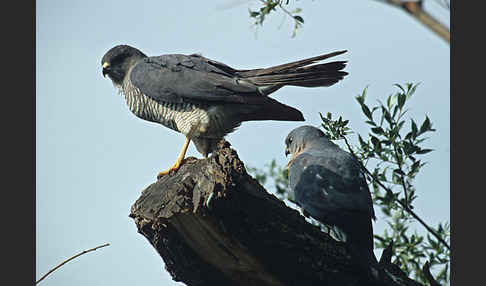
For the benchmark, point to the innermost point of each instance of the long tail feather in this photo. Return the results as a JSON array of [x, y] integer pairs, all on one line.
[[300, 73], [288, 66]]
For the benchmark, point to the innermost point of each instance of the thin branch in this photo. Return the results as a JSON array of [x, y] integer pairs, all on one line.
[[285, 10], [402, 180], [66, 261], [282, 8], [280, 5], [404, 206], [415, 9]]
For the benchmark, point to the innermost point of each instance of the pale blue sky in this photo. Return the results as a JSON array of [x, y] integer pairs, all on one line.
[[93, 157]]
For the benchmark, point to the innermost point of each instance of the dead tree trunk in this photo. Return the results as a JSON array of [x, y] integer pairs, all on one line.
[[213, 224]]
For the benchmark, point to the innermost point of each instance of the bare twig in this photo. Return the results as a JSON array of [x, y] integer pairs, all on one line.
[[285, 10], [404, 206], [415, 9], [66, 261]]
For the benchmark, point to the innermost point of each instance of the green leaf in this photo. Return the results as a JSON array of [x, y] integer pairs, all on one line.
[[399, 157], [418, 141], [408, 148], [253, 14], [362, 142], [370, 122], [411, 91], [414, 129], [386, 115], [377, 130], [375, 141], [401, 100], [363, 94], [409, 136], [400, 87], [388, 102], [299, 19], [395, 110], [381, 239], [424, 151], [425, 125], [399, 171], [366, 111]]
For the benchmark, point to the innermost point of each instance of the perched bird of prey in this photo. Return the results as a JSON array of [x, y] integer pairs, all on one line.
[[328, 185], [205, 99]]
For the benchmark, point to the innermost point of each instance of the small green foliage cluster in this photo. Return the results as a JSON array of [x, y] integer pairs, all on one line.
[[393, 151], [279, 175], [270, 6], [335, 129]]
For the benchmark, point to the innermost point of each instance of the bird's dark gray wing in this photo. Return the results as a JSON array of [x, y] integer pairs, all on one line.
[[327, 184], [336, 198], [179, 78]]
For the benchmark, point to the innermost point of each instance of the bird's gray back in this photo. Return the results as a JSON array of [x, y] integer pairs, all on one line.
[[329, 180], [180, 78]]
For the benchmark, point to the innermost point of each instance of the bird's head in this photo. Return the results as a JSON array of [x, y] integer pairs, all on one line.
[[118, 60], [300, 138]]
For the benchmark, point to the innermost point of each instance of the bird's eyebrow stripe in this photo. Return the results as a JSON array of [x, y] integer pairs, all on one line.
[[105, 64]]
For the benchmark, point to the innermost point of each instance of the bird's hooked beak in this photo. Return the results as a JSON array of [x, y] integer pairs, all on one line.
[[296, 153], [287, 152], [106, 68]]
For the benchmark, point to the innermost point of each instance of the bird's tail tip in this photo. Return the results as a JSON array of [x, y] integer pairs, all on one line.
[[306, 73]]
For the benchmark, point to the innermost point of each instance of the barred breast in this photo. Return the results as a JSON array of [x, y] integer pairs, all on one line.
[[190, 119]]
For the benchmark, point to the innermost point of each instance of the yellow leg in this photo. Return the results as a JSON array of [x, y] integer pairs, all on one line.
[[178, 162]]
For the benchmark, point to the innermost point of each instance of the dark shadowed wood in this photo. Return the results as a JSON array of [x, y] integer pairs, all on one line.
[[245, 236]]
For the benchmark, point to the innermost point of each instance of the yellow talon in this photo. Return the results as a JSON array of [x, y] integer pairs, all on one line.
[[179, 160], [174, 167]]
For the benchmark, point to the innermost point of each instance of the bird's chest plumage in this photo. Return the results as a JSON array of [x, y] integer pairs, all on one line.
[[193, 120]]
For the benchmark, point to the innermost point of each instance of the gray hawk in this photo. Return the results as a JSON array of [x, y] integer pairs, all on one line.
[[205, 99], [328, 184]]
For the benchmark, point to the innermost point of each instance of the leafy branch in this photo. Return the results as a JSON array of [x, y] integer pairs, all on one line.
[[413, 8], [270, 6], [401, 150], [395, 153]]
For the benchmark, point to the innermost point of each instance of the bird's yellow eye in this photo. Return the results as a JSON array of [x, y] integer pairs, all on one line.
[[105, 65]]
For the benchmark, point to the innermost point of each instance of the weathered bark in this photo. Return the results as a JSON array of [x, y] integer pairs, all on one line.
[[213, 224]]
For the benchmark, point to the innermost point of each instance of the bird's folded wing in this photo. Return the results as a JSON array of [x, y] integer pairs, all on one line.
[[180, 78], [322, 188]]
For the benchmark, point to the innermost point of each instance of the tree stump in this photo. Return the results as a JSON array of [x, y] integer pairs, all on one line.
[[213, 224]]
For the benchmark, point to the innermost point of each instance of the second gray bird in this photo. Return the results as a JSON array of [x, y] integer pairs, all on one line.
[[205, 99], [328, 185]]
